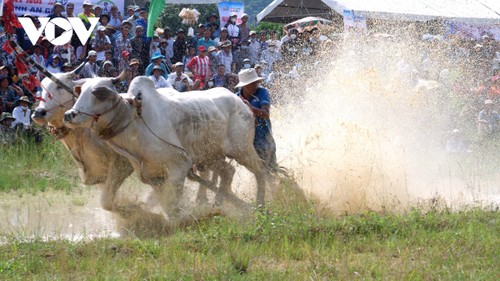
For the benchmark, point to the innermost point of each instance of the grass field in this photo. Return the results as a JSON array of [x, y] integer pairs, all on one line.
[[278, 244], [291, 242]]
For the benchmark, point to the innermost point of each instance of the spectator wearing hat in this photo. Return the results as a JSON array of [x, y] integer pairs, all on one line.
[[70, 9], [233, 30], [206, 41], [103, 21], [7, 59], [57, 11], [158, 78], [97, 10], [54, 64], [155, 45], [255, 47], [271, 55], [212, 20], [179, 46], [241, 54], [157, 60], [90, 69], [225, 56], [212, 55], [262, 40], [244, 30], [22, 112], [258, 100], [37, 57], [191, 53], [7, 93], [143, 21], [488, 120], [272, 38], [133, 18], [169, 52], [115, 19], [223, 36], [7, 134], [87, 13], [200, 33], [108, 70], [100, 43], [140, 47], [122, 47], [179, 80], [66, 67], [200, 67]]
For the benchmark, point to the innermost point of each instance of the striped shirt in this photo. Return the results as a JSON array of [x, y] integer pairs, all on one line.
[[200, 66]]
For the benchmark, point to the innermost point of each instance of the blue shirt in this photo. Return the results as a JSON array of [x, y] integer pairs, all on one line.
[[262, 126]]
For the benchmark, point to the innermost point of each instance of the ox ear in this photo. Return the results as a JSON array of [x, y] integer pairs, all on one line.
[[80, 81], [103, 93]]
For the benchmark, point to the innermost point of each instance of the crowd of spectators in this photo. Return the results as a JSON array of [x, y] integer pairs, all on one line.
[[213, 55]]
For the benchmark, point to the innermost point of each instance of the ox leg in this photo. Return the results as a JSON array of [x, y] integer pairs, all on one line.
[[118, 171], [171, 192], [250, 160], [201, 197], [226, 172]]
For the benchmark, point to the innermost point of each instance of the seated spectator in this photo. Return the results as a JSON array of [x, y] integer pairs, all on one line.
[[488, 119], [22, 113], [66, 52], [158, 79], [7, 134], [7, 93], [107, 70], [157, 60], [179, 80], [220, 77], [90, 69], [54, 65], [66, 68]]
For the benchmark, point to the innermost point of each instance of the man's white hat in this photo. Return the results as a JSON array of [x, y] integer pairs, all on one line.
[[248, 76], [87, 3], [101, 28], [92, 53]]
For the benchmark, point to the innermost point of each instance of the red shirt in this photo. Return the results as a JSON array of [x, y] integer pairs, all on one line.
[[200, 66]]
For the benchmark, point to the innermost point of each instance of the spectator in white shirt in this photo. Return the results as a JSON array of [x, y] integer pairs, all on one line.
[[158, 79], [179, 80]]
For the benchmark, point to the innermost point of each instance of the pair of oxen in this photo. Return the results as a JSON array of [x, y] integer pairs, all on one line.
[[161, 135]]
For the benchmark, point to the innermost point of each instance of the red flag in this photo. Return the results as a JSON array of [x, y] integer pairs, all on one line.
[[7, 47], [19, 63], [9, 18]]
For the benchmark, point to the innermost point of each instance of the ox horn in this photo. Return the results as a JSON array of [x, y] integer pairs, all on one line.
[[78, 69], [120, 77]]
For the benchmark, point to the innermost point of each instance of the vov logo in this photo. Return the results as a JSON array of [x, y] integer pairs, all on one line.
[[69, 26]]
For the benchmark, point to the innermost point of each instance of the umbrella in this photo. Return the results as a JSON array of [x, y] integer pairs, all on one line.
[[307, 23]]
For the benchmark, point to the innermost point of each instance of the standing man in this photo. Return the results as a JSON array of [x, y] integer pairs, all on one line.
[[244, 29], [70, 8], [206, 41], [180, 46], [258, 100], [101, 44], [200, 67], [225, 56]]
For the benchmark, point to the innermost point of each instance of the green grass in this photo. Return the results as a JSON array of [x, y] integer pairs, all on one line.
[[279, 244], [28, 167]]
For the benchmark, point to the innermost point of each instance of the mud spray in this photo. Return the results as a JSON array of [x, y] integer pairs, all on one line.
[[360, 136]]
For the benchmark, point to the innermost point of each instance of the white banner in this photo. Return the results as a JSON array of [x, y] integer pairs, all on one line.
[[227, 8], [43, 8]]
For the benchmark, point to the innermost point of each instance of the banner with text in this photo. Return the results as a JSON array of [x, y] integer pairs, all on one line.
[[228, 8], [43, 8]]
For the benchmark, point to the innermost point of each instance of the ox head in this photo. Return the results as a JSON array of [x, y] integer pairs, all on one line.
[[55, 100], [98, 96]]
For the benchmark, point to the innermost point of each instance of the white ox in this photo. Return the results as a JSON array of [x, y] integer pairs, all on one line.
[[97, 163], [167, 133]]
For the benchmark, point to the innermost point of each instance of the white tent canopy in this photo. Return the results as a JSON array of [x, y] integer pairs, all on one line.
[[477, 11]]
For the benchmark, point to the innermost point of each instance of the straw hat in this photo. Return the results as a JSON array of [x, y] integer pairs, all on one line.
[[211, 49], [23, 99], [133, 62], [226, 43], [6, 115], [248, 76]]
